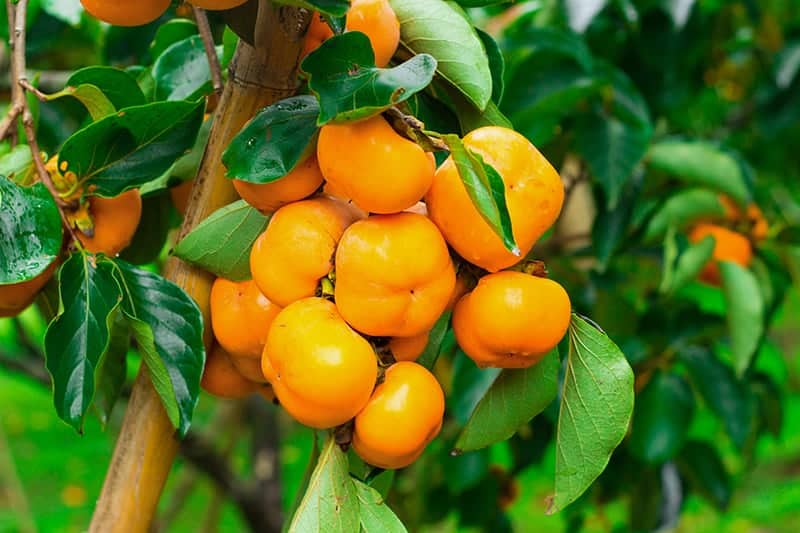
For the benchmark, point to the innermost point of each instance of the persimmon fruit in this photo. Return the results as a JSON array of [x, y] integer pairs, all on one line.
[[728, 246], [221, 378], [15, 297], [301, 182], [115, 221], [126, 12]]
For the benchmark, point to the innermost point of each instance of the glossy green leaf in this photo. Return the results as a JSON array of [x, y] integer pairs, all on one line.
[[529, 41], [182, 72], [470, 117], [596, 408], [30, 231], [171, 32], [436, 337], [17, 164], [92, 98], [702, 466], [661, 418], [497, 64], [682, 210], [117, 85], [689, 264], [486, 189], [168, 329], [343, 76], [330, 503], [745, 313], [375, 515], [515, 397], [440, 29], [112, 369], [700, 163], [278, 138], [221, 243], [472, 384], [133, 146], [336, 8], [79, 336], [304, 481]]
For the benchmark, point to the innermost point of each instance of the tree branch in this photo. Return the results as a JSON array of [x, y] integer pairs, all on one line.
[[208, 43]]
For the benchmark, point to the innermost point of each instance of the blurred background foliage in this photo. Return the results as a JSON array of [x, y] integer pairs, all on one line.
[[596, 84]]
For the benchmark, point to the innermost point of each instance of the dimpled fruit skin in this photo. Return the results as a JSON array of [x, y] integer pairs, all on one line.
[[322, 371], [729, 246], [216, 5], [296, 250], [370, 163], [534, 194], [301, 182], [115, 221], [16, 297], [241, 317], [394, 275], [221, 378], [403, 415], [511, 320], [126, 12]]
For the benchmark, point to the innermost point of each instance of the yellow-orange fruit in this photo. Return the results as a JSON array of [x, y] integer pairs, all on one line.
[[217, 5], [534, 195], [296, 250], [301, 182], [409, 348], [220, 377], [728, 246], [394, 275], [322, 371], [16, 297], [240, 318], [126, 12], [249, 368], [115, 221], [403, 415], [752, 216], [375, 18], [511, 320], [370, 163]]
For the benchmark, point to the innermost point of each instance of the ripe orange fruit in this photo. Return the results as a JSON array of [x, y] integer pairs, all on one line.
[[394, 275], [403, 415], [752, 217], [220, 378], [729, 246], [115, 222], [511, 320], [16, 297], [180, 195], [375, 18], [240, 318], [370, 163], [409, 348], [217, 5], [296, 250], [125, 12], [534, 195], [301, 182], [322, 371]]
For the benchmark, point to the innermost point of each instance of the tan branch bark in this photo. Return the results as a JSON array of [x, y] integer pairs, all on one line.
[[147, 444]]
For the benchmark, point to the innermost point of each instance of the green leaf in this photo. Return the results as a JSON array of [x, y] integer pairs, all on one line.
[[67, 11], [79, 336], [725, 395], [278, 138], [683, 209], [612, 150], [330, 503], [30, 231], [304, 482], [470, 117], [151, 233], [112, 369], [596, 408], [787, 65], [702, 466], [472, 384], [529, 41], [514, 398], [497, 64], [182, 72], [168, 328], [486, 189], [92, 98], [17, 164], [436, 338], [745, 313], [440, 29], [170, 33], [679, 11], [375, 515], [117, 85], [336, 8], [221, 243], [664, 410], [689, 264], [700, 163], [580, 13], [343, 76], [133, 146]]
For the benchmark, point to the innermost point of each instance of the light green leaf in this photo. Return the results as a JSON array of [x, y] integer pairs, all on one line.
[[745, 313], [375, 514]]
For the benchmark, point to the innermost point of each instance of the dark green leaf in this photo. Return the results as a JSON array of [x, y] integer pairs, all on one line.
[[79, 336], [181, 72], [331, 502], [596, 408], [440, 29], [170, 33], [770, 403], [689, 264], [470, 117], [168, 328], [151, 233], [497, 65], [682, 210], [529, 41], [30, 231], [336, 8], [132, 147], [463, 471], [745, 313], [343, 76], [278, 138], [661, 419], [702, 466], [436, 338], [112, 369], [117, 85], [486, 189], [514, 398], [375, 515], [221, 243], [472, 383]]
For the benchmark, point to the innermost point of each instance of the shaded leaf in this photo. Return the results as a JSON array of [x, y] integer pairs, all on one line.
[[682, 210], [702, 466], [689, 264], [112, 369], [436, 337], [497, 65], [117, 85], [182, 71], [580, 13], [336, 8]]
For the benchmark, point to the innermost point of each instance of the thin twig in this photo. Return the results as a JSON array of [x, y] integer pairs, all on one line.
[[25, 84], [9, 122], [211, 52]]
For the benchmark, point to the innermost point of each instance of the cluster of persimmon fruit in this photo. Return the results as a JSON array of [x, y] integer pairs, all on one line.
[[139, 12]]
